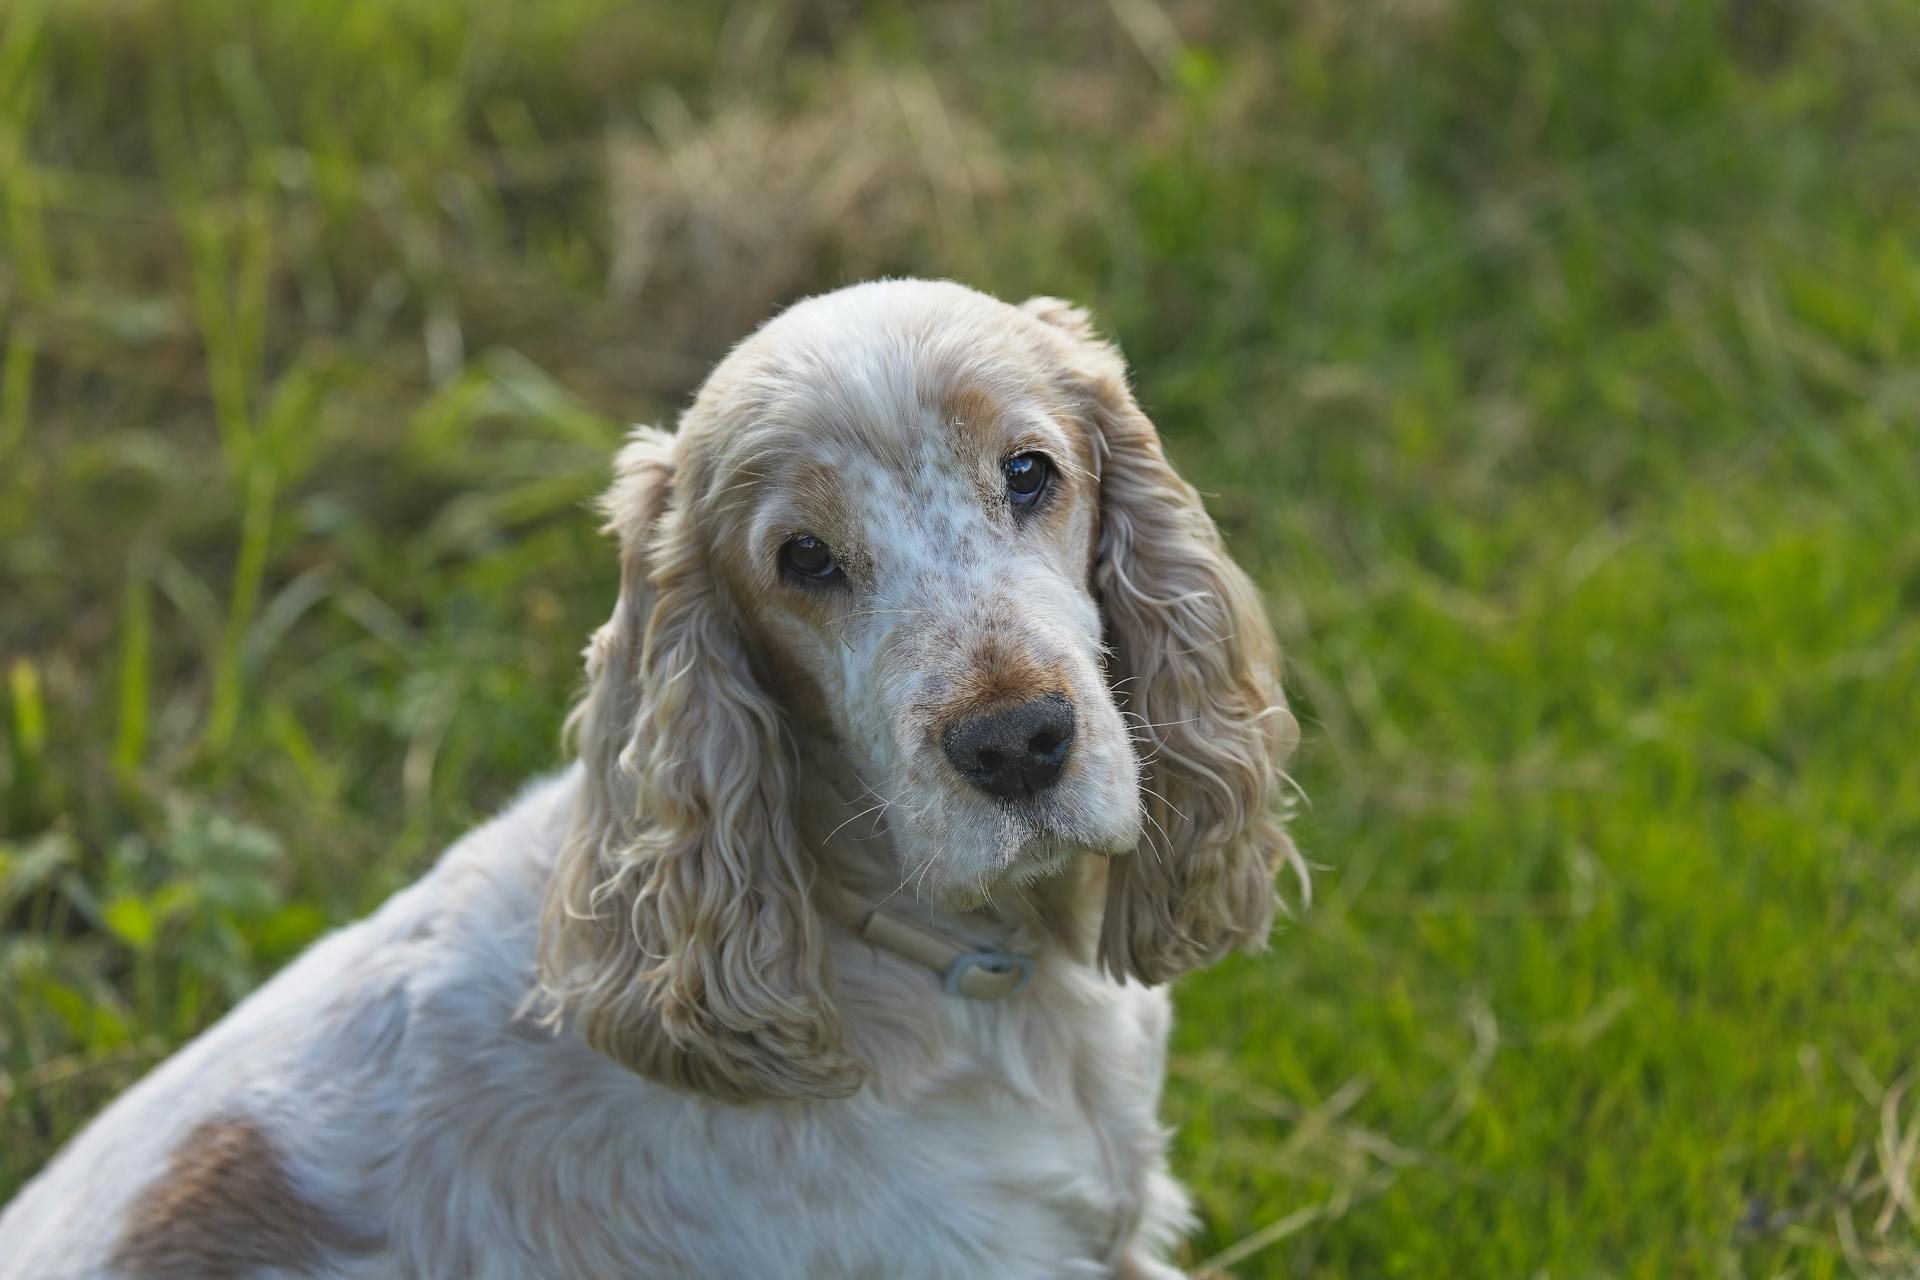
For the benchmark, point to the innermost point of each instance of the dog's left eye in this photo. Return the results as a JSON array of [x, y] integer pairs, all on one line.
[[807, 557], [1027, 475]]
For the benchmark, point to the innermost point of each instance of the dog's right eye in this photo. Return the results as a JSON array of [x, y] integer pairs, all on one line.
[[808, 557]]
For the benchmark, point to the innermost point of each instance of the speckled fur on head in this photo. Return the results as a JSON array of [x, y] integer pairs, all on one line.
[[877, 419]]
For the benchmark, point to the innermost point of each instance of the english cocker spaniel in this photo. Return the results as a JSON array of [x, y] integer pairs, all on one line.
[[932, 734]]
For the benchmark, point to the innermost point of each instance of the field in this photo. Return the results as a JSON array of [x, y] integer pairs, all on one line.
[[1554, 368]]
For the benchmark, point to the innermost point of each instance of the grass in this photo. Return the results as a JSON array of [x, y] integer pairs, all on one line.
[[1553, 368]]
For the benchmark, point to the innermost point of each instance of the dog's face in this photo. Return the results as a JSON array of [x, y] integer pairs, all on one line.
[[936, 532], [904, 508]]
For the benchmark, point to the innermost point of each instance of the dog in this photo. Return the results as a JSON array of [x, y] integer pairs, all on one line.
[[933, 733]]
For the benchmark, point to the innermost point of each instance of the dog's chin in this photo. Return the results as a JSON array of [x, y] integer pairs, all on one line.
[[959, 891], [1009, 847]]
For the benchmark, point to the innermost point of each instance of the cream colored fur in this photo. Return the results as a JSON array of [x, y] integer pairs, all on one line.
[[610, 1035]]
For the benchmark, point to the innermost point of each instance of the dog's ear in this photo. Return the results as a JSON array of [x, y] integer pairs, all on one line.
[[678, 936], [1197, 673]]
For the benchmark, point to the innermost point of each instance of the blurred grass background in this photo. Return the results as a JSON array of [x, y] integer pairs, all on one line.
[[1551, 366]]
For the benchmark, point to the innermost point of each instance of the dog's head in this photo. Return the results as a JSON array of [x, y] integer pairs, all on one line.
[[937, 531]]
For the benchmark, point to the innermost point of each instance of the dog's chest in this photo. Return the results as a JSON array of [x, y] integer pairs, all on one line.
[[1028, 1146], [1051, 1132]]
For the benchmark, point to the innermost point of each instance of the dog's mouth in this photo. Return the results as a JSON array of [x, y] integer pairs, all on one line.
[[1022, 842], [1048, 858], [1075, 823]]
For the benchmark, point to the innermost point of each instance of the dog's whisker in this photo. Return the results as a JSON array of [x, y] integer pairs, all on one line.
[[1170, 804], [892, 893], [868, 789], [1160, 724], [1165, 838], [1033, 912], [855, 818], [920, 880]]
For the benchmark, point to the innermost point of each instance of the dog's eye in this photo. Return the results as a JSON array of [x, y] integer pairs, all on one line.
[[808, 557], [1027, 475]]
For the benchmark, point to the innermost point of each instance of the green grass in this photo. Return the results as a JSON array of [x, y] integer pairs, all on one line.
[[1552, 367]]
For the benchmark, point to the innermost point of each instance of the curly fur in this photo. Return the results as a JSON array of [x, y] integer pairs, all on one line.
[[677, 928]]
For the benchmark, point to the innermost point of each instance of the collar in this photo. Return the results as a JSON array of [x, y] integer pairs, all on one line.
[[978, 973]]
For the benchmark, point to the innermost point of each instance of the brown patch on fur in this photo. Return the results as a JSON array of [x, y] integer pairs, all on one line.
[[224, 1209], [973, 418], [779, 672], [1000, 675], [818, 487], [786, 677], [968, 408]]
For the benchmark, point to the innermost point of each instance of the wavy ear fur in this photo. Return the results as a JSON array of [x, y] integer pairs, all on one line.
[[678, 936], [1185, 623]]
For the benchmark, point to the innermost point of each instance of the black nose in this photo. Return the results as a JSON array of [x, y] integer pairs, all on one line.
[[1015, 752]]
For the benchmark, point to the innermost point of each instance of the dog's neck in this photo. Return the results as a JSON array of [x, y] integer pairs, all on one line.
[[844, 821]]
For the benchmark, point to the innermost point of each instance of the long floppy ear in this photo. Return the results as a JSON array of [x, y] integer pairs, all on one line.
[[1199, 660], [678, 936]]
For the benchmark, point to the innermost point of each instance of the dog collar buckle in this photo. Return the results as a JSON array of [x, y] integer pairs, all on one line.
[[971, 972], [988, 975]]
